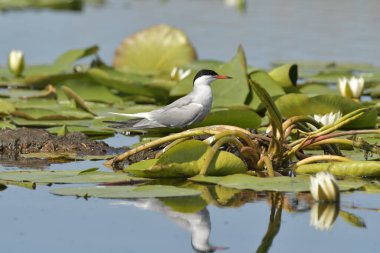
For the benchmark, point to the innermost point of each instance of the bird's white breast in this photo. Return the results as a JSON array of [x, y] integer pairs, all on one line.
[[203, 96]]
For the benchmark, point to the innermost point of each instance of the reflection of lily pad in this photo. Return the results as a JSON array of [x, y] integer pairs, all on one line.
[[156, 49]]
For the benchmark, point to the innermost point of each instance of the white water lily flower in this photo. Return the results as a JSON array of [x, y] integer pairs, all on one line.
[[179, 74], [323, 216], [351, 88], [323, 188], [16, 62], [328, 119]]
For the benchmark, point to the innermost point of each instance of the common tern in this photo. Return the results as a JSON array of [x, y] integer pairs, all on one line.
[[183, 112]]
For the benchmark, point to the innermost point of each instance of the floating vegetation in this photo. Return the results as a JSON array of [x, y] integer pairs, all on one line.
[[261, 128]]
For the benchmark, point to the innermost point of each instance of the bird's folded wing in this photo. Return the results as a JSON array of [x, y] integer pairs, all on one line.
[[180, 116]]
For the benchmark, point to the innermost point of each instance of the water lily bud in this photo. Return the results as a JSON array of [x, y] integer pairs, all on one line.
[[323, 216], [16, 62], [323, 188], [351, 88]]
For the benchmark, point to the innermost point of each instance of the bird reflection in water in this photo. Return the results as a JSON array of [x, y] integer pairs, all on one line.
[[197, 223]]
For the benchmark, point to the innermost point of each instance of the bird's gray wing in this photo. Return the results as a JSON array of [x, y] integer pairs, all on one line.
[[179, 115]]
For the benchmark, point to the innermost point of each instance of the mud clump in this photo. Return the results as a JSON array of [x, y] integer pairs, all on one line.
[[32, 140]]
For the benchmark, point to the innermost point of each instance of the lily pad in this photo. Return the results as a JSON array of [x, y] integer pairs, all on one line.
[[46, 114], [300, 104], [273, 88], [186, 160], [243, 117], [278, 184], [89, 131], [66, 177], [144, 191], [156, 49], [62, 63], [90, 90], [230, 92], [350, 169], [6, 125], [6, 108], [127, 83], [314, 89]]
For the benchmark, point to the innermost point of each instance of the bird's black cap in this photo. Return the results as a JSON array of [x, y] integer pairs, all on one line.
[[205, 72]]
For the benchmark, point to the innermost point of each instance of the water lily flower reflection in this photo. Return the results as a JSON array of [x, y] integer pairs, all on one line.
[[323, 188], [328, 119], [323, 216], [351, 88], [179, 74], [16, 62]]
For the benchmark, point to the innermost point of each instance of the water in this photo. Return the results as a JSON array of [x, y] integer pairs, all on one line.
[[269, 30]]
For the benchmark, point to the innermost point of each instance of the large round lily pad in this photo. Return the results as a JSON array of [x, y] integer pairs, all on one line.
[[153, 50]]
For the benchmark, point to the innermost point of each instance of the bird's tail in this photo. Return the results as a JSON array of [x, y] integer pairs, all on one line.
[[126, 124]]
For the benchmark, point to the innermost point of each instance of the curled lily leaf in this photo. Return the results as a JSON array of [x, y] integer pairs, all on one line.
[[323, 188]]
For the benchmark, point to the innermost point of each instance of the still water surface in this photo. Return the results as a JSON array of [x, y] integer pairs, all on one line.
[[36, 221]]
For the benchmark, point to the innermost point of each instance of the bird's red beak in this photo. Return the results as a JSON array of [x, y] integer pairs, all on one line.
[[222, 77]]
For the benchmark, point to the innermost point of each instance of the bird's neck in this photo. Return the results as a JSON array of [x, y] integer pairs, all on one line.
[[202, 92]]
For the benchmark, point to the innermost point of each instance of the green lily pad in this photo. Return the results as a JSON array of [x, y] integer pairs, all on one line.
[[243, 117], [186, 160], [76, 5], [156, 49], [47, 114], [66, 177], [89, 131], [63, 63], [350, 169], [6, 108], [127, 83], [314, 89], [278, 184], [273, 88], [48, 123], [90, 90], [230, 92], [144, 191], [300, 104], [6, 125]]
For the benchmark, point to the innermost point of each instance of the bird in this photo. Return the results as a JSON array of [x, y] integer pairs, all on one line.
[[181, 113]]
